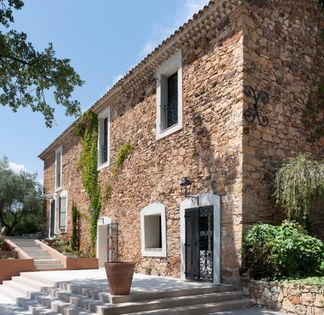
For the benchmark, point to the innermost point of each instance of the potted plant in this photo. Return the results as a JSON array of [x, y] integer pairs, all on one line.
[[120, 276]]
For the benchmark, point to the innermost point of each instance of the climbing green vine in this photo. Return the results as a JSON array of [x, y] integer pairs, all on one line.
[[87, 129]]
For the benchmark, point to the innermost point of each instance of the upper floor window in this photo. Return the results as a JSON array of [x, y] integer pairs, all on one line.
[[58, 168], [103, 138], [169, 97]]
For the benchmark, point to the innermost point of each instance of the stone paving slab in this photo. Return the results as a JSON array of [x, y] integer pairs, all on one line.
[[96, 278]]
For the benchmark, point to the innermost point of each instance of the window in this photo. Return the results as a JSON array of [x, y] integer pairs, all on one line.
[[169, 97], [103, 138], [153, 230], [63, 213], [58, 168]]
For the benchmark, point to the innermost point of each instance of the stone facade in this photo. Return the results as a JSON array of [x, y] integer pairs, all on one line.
[[216, 148], [281, 52], [293, 298]]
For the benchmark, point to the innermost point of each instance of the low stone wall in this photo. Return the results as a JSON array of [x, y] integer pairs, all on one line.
[[293, 298]]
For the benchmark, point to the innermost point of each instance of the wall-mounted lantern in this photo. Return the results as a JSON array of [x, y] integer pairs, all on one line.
[[251, 114], [184, 183]]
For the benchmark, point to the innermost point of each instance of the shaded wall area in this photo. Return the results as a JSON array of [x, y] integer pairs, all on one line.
[[282, 56]]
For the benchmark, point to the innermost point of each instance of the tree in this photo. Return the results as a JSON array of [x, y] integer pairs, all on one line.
[[20, 196], [299, 184], [27, 75]]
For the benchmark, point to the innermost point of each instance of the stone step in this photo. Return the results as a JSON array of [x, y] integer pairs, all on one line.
[[37, 253], [12, 309], [167, 303], [47, 261], [33, 279], [20, 287], [199, 309], [140, 296], [49, 267], [41, 257], [11, 293]]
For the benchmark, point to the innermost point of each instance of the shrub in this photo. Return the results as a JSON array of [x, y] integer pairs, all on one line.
[[282, 251], [75, 224]]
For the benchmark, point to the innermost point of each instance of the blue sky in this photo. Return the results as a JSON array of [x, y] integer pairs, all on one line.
[[103, 39]]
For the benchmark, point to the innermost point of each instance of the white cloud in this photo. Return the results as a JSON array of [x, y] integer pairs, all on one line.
[[160, 32], [18, 167]]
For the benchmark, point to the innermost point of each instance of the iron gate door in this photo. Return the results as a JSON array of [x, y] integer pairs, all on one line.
[[199, 243]]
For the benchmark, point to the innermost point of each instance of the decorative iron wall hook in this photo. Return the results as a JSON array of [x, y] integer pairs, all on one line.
[[251, 114]]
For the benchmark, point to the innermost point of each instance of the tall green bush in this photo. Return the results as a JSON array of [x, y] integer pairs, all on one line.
[[75, 242], [299, 183], [282, 251]]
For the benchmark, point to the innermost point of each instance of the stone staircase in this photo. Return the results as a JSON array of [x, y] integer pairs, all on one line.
[[42, 259], [37, 295]]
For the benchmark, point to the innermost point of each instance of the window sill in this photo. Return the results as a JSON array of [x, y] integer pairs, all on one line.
[[154, 252], [102, 166], [58, 189], [168, 131]]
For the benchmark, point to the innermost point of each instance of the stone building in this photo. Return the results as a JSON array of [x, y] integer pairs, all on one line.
[[188, 110]]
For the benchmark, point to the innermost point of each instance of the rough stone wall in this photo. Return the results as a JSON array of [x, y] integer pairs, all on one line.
[[70, 182], [281, 56], [208, 149], [293, 298]]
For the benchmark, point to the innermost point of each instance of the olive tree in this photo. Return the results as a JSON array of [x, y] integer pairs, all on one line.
[[20, 199]]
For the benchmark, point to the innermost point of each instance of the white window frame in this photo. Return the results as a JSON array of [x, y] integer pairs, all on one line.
[[58, 150], [174, 64], [63, 194], [155, 208], [102, 115]]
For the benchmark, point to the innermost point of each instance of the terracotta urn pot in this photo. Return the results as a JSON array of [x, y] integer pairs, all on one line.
[[120, 276]]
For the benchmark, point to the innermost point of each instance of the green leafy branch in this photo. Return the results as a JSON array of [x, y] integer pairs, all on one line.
[[299, 183]]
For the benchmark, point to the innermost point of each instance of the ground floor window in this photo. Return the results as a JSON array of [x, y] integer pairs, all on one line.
[[63, 213], [153, 230]]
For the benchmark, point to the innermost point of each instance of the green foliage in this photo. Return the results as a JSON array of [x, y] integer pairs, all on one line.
[[122, 154], [281, 251], [299, 183], [27, 75], [87, 129], [64, 247], [20, 201], [307, 281], [75, 241], [124, 151]]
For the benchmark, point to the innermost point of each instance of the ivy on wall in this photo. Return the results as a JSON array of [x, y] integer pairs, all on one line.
[[87, 129]]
